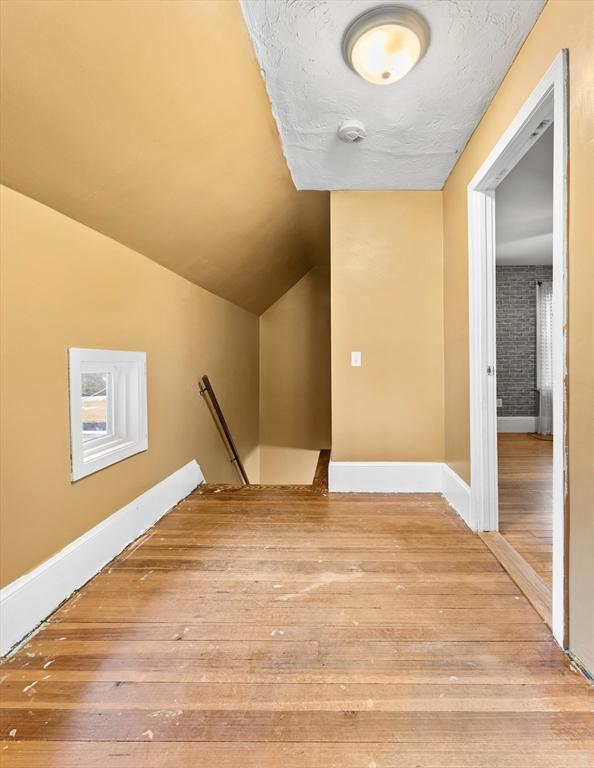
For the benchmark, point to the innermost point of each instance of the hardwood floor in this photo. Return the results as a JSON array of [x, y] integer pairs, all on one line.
[[525, 499], [533, 587], [283, 628]]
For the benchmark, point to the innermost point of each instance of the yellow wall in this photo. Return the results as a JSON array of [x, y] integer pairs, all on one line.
[[65, 285], [148, 120], [562, 24], [295, 380], [387, 303], [287, 466]]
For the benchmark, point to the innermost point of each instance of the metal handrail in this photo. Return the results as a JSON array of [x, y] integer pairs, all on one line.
[[206, 389]]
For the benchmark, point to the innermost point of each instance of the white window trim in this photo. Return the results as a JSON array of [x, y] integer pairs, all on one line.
[[129, 418]]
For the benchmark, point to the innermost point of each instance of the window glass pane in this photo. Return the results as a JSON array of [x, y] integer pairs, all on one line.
[[96, 406]]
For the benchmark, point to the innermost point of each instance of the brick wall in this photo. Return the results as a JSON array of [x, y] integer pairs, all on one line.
[[516, 338]]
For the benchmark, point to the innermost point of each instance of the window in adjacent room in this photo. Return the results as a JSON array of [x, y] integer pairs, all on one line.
[[108, 420]]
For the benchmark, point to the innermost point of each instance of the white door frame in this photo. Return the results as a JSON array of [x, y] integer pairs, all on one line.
[[547, 102]]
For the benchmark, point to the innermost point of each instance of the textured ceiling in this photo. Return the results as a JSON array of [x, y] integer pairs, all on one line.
[[148, 121], [524, 208], [416, 127]]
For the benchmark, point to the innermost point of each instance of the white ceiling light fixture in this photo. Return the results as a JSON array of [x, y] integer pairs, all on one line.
[[384, 44]]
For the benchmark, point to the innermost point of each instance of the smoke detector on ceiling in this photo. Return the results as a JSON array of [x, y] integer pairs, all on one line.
[[351, 131]]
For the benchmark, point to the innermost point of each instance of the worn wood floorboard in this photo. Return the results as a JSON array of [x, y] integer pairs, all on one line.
[[292, 628], [537, 592], [525, 499]]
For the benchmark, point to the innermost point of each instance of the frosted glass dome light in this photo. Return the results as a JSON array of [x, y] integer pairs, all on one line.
[[384, 44]]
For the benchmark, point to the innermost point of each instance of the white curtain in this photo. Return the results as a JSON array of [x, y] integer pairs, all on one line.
[[544, 356]]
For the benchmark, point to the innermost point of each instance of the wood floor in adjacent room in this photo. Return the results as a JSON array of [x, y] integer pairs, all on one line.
[[525, 499], [288, 629]]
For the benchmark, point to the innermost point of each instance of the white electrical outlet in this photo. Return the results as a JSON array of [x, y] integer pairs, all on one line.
[[356, 359], [499, 402]]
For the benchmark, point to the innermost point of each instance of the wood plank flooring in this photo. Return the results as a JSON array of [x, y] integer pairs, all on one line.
[[525, 499], [537, 592], [280, 628]]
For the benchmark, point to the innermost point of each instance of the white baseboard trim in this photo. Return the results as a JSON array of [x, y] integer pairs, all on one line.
[[456, 493], [384, 477], [401, 477], [30, 599], [516, 424]]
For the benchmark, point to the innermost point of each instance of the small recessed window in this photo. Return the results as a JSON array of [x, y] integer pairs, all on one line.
[[96, 405], [108, 419]]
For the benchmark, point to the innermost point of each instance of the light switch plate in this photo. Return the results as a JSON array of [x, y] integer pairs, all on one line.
[[356, 359], [499, 402]]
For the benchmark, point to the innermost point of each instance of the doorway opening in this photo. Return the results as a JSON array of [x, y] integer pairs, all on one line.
[[523, 368], [518, 347]]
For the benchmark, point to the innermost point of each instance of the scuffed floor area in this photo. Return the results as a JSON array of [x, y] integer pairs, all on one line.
[[267, 627]]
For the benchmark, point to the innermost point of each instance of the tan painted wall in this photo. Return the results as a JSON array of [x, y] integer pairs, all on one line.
[[287, 466], [387, 302], [65, 285], [295, 380], [148, 120], [562, 24]]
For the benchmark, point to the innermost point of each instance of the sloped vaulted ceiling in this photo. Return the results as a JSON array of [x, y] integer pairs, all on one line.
[[148, 121]]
